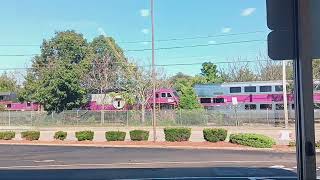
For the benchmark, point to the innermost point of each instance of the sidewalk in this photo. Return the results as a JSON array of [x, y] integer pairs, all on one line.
[[150, 144], [46, 133]]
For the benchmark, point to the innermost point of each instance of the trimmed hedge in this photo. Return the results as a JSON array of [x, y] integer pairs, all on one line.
[[60, 135], [177, 134], [7, 135], [252, 140], [292, 143], [85, 135], [215, 135], [30, 135], [115, 135], [139, 135]]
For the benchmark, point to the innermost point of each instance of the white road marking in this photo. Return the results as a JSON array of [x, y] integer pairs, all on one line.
[[288, 169], [136, 163], [277, 166], [250, 178], [44, 161]]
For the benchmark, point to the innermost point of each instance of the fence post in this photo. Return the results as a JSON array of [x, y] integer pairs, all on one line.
[[127, 118], [9, 118], [268, 116], [180, 116], [102, 117]]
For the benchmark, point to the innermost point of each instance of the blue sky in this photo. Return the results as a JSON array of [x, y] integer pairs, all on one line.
[[28, 22]]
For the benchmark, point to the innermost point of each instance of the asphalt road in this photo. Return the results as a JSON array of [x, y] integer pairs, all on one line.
[[53, 162]]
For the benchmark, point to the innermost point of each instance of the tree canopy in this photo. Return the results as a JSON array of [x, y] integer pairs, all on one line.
[[8, 84], [57, 79]]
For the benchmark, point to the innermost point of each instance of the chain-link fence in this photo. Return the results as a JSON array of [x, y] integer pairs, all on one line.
[[133, 118]]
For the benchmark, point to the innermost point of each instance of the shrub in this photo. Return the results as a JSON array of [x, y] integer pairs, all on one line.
[[7, 135], [30, 135], [215, 135], [84, 135], [115, 135], [60, 135], [139, 135], [253, 140], [292, 143], [177, 134]]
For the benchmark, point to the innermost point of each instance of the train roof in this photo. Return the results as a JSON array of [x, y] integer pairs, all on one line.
[[209, 90], [249, 83], [6, 93]]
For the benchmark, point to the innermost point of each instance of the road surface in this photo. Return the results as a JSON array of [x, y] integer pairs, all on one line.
[[54, 162]]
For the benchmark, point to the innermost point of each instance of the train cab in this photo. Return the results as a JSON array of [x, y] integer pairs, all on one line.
[[165, 98]]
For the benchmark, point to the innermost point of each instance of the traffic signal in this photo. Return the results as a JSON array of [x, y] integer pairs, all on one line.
[[280, 20]]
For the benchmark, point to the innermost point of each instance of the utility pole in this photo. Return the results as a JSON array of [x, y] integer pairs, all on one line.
[[153, 75], [285, 98], [305, 130]]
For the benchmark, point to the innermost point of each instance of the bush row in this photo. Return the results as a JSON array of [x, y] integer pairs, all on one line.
[[252, 140], [293, 144], [177, 134]]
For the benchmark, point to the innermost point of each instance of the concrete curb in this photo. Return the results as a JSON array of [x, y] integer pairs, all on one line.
[[149, 146]]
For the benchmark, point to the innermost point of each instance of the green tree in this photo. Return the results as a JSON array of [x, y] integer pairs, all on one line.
[[8, 84], [107, 67], [188, 98], [210, 72], [179, 80], [55, 81]]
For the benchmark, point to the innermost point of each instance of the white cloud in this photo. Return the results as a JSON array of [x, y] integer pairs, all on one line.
[[144, 12], [226, 30], [212, 42], [145, 31], [248, 11], [102, 32]]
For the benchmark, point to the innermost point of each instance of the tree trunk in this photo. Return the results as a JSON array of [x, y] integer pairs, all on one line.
[[143, 112]]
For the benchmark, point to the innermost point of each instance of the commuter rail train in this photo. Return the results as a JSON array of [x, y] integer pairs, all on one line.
[[9, 101], [258, 99], [165, 98]]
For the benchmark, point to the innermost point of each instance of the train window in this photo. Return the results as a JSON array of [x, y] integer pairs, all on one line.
[[1, 98], [235, 89], [265, 106], [279, 107], [169, 95], [250, 107], [8, 105], [157, 95], [265, 88], [218, 100], [250, 89], [28, 104], [316, 105], [205, 100], [292, 106], [279, 88], [163, 94], [316, 87]]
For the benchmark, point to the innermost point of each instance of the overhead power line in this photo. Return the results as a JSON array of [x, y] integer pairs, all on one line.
[[18, 55], [193, 37], [194, 46], [162, 48], [168, 65], [158, 40]]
